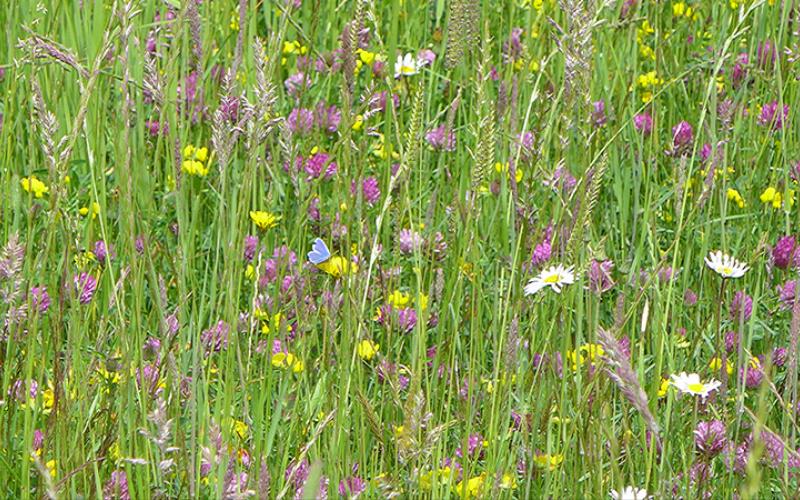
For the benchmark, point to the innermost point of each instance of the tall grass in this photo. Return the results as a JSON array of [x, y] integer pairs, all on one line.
[[214, 360]]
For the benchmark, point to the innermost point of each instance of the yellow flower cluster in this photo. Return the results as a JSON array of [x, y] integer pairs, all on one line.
[[772, 196], [367, 349], [287, 360], [33, 185], [264, 220], [642, 34], [734, 196], [194, 161]]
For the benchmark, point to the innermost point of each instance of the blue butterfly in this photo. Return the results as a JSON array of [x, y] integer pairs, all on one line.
[[319, 252]]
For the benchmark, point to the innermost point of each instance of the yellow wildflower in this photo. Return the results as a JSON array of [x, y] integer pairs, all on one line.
[[33, 185], [734, 196], [264, 220], [367, 349]]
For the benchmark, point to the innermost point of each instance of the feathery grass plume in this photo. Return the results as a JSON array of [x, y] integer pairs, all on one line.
[[45, 123], [152, 82], [462, 30], [349, 45], [264, 119], [11, 279], [224, 134], [416, 439], [40, 47], [619, 370], [574, 41], [593, 180], [195, 25], [680, 183], [484, 129]]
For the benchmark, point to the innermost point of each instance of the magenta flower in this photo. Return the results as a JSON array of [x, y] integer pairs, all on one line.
[[103, 251], [327, 118], [437, 140], [784, 251], [682, 136], [599, 118], [786, 294], [296, 84], [372, 192], [85, 285], [250, 246], [215, 338], [741, 305], [771, 115], [117, 486], [541, 253], [600, 276], [352, 487], [689, 297], [40, 299], [300, 121], [709, 438], [409, 241], [643, 123]]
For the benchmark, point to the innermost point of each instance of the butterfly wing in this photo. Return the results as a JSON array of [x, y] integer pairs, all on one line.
[[319, 252]]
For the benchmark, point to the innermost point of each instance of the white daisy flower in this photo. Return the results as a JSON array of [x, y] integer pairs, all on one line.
[[406, 66], [629, 493], [556, 277], [725, 265], [691, 384]]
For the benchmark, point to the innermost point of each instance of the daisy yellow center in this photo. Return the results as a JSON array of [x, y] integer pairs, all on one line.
[[553, 278], [726, 270], [407, 69], [696, 387]]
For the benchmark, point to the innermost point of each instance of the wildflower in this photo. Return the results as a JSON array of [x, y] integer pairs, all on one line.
[[771, 116], [296, 83], [752, 375], [600, 276], [785, 252], [95, 210], [506, 168], [352, 487], [194, 161], [300, 121], [786, 294], [398, 299], [682, 136], [85, 285], [264, 220], [663, 387], [691, 384], [643, 123], [716, 364], [689, 297], [629, 493], [772, 196], [541, 253], [547, 461], [734, 196], [779, 356], [250, 246], [405, 66], [40, 300], [101, 251], [409, 241], [441, 139], [470, 488], [215, 338], [287, 360], [34, 185], [372, 192], [367, 349], [742, 305], [599, 113], [556, 277], [725, 266], [327, 118]]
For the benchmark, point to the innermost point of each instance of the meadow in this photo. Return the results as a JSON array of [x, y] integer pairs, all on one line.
[[400, 249]]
